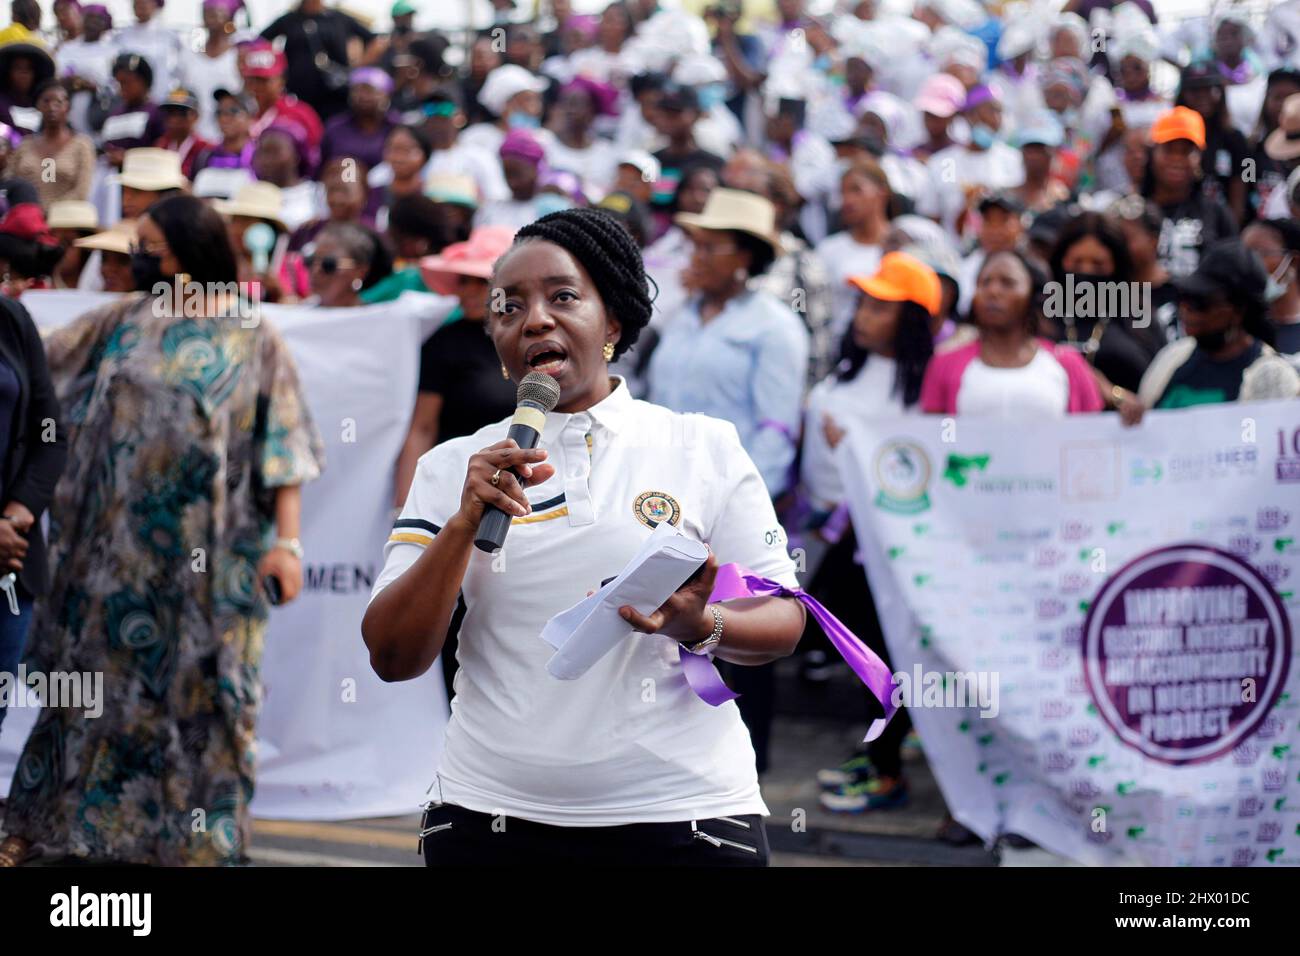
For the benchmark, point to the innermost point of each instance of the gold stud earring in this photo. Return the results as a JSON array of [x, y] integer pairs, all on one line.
[[609, 351], [504, 373]]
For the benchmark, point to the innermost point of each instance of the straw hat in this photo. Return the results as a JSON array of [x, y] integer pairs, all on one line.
[[1283, 144], [118, 238], [474, 257], [739, 210], [452, 188], [151, 170], [73, 214], [256, 200]]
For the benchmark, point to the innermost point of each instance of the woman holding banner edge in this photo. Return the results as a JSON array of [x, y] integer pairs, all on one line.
[[625, 764]]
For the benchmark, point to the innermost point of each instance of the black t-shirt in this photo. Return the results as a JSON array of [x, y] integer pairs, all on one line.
[[1123, 353], [1270, 174], [460, 363], [1202, 381], [1222, 161], [1288, 338], [306, 38], [1189, 228]]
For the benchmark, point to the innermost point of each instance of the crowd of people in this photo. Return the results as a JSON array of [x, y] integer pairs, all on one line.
[[870, 207]]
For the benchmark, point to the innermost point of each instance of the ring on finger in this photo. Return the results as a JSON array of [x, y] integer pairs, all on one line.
[[496, 478]]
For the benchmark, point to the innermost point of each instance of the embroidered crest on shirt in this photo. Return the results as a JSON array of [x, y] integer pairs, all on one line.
[[652, 507]]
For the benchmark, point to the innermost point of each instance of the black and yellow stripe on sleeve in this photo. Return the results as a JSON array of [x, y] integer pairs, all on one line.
[[421, 532], [413, 531]]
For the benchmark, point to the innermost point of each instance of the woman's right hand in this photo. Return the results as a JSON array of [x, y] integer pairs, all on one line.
[[1131, 409], [508, 494], [13, 547]]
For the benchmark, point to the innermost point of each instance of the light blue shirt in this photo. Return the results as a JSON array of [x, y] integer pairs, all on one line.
[[746, 366]]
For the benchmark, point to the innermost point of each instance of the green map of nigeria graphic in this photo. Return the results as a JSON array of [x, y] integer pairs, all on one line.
[[958, 465]]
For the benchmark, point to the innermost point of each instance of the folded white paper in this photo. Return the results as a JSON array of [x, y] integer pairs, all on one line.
[[592, 628]]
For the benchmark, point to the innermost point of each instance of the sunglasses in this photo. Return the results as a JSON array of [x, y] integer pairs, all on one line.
[[439, 109], [329, 264]]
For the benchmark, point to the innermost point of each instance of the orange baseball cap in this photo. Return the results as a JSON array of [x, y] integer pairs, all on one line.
[[1179, 123], [903, 278]]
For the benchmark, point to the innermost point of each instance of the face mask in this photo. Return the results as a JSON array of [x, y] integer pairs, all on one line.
[[1069, 118], [711, 95], [1212, 341], [146, 270], [523, 121], [547, 203], [1276, 288], [981, 136]]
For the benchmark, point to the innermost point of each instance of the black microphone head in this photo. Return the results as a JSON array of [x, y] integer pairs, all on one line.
[[539, 389]]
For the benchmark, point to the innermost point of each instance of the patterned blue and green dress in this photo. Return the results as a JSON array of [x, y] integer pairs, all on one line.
[[180, 430]]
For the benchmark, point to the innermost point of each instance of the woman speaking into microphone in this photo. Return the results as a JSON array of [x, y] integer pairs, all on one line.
[[625, 764]]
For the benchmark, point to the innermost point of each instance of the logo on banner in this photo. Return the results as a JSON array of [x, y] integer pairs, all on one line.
[[902, 471], [1185, 651], [652, 507], [1288, 456]]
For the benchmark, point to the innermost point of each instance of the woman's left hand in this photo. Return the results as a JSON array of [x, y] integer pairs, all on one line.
[[284, 566], [684, 616]]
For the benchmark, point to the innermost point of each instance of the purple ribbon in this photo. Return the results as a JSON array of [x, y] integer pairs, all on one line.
[[732, 582]]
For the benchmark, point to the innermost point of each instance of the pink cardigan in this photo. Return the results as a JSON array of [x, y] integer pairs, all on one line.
[[943, 379]]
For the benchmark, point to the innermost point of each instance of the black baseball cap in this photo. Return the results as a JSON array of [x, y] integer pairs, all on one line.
[[678, 98], [1003, 199], [180, 99], [243, 99], [1201, 74], [1229, 269]]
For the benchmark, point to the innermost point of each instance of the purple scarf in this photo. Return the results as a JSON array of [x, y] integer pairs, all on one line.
[[732, 582]]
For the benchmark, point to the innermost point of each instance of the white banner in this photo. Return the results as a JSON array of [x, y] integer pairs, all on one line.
[[1095, 626], [334, 741]]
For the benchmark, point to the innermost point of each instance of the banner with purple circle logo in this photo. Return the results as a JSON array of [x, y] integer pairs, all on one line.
[[1185, 651]]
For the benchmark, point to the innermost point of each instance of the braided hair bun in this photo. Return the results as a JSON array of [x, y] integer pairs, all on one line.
[[610, 256]]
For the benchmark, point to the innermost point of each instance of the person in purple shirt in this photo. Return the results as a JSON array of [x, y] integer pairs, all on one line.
[[134, 77], [234, 118], [361, 131]]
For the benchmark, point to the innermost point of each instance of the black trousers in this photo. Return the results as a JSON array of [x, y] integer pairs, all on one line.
[[841, 585], [454, 836]]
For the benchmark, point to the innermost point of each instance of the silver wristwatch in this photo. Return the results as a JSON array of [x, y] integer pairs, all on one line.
[[706, 646]]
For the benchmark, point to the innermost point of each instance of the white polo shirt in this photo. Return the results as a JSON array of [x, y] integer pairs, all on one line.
[[628, 742]]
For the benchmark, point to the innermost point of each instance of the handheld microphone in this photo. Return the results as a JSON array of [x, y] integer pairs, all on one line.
[[538, 394]]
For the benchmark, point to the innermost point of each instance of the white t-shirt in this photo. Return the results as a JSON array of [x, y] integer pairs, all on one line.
[[90, 61], [843, 256], [594, 166], [956, 169], [868, 394], [203, 75], [465, 160], [628, 742], [161, 46], [514, 213], [1033, 392]]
